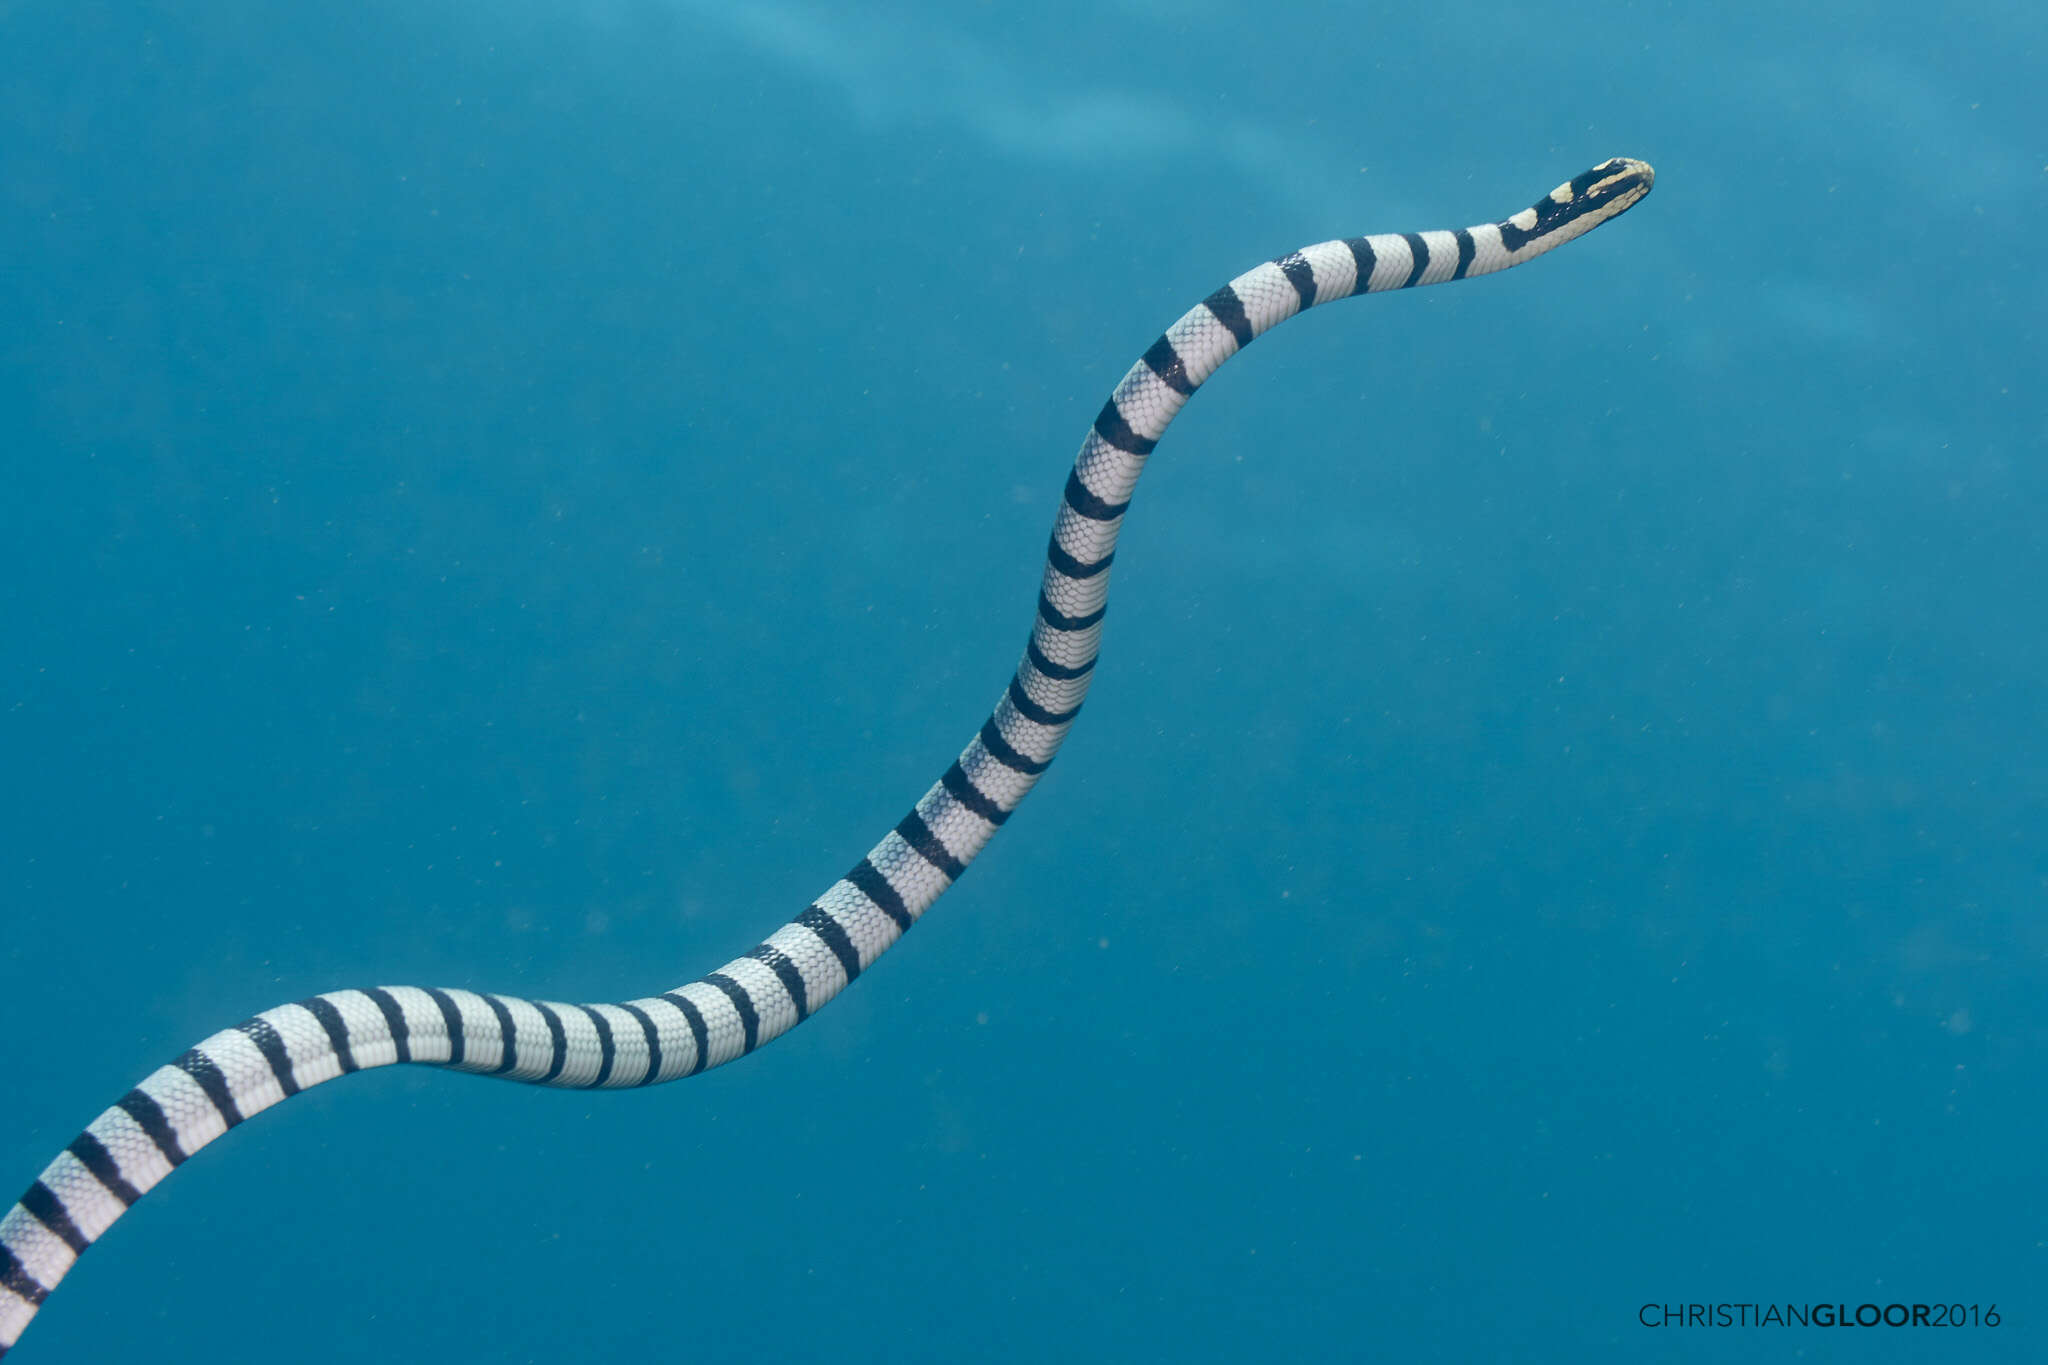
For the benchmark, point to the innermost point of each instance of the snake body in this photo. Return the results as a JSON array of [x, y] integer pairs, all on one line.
[[770, 989]]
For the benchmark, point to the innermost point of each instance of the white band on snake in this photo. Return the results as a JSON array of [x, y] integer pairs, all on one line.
[[769, 990]]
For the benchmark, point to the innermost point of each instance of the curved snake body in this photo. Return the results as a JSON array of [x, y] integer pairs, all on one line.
[[767, 991]]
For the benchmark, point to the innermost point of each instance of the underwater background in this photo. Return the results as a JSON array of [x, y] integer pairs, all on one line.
[[521, 496]]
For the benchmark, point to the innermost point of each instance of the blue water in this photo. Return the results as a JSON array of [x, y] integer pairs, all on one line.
[[521, 497]]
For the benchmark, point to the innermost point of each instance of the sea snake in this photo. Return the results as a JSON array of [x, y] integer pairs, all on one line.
[[767, 991]]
